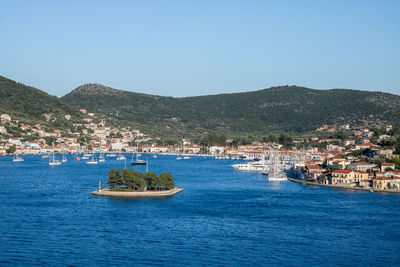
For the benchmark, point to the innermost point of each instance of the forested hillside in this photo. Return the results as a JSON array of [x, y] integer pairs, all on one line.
[[279, 109], [29, 104]]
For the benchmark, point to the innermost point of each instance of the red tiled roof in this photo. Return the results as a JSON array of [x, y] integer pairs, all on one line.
[[342, 171]]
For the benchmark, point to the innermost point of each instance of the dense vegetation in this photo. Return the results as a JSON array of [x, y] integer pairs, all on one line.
[[136, 181], [288, 109], [29, 104]]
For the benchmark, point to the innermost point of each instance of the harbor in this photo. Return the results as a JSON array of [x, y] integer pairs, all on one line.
[[219, 206]]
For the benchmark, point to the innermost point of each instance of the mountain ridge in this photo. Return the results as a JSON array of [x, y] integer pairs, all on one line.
[[281, 108]]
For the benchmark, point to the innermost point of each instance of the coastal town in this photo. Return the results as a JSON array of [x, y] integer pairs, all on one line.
[[362, 158]]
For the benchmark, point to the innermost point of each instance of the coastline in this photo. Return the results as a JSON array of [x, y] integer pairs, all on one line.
[[105, 192], [341, 186]]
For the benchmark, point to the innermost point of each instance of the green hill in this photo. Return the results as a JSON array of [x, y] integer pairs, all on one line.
[[29, 104], [286, 108]]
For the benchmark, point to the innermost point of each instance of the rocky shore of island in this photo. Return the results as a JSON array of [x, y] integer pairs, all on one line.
[[106, 192]]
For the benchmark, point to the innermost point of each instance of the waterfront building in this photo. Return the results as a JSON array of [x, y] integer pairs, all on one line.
[[342, 177], [381, 183], [360, 176]]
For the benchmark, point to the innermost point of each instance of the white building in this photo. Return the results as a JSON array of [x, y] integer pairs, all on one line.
[[217, 149]]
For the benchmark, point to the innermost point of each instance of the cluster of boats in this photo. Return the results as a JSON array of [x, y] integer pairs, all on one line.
[[91, 158], [269, 165]]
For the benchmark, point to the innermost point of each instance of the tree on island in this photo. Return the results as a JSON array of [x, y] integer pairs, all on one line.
[[11, 150], [136, 181]]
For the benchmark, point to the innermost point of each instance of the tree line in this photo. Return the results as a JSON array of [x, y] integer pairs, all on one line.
[[136, 181]]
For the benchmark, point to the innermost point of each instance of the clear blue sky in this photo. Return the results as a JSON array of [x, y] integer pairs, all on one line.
[[186, 48]]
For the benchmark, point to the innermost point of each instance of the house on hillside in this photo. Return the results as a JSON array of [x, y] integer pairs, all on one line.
[[386, 165], [361, 166]]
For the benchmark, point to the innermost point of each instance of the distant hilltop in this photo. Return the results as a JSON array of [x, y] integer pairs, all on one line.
[[290, 109], [95, 89]]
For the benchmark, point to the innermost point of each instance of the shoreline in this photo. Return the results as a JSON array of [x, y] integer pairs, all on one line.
[[105, 192], [294, 180]]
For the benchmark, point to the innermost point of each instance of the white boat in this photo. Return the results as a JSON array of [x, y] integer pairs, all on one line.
[[186, 157], [45, 156], [64, 159], [121, 157], [92, 161], [17, 159], [276, 172], [277, 176], [101, 158], [111, 155], [256, 166], [178, 158], [53, 161], [138, 161], [154, 156]]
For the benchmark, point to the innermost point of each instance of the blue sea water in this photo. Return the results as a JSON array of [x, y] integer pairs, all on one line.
[[222, 218]]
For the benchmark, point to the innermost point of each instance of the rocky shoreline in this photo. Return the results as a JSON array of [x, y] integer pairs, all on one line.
[[341, 186]]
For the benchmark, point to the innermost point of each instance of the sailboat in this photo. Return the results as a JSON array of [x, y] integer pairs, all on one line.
[[121, 157], [17, 158], [276, 174], [93, 160], [76, 157], [179, 157], [53, 161], [101, 158], [87, 155], [138, 161], [64, 159]]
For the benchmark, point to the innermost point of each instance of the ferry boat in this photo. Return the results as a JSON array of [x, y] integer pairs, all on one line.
[[256, 166]]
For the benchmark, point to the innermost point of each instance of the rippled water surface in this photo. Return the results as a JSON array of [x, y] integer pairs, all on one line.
[[223, 217]]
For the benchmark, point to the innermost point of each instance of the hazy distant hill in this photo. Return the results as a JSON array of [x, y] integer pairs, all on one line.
[[285, 108], [29, 104]]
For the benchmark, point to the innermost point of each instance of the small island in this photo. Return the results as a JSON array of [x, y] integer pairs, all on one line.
[[130, 184]]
